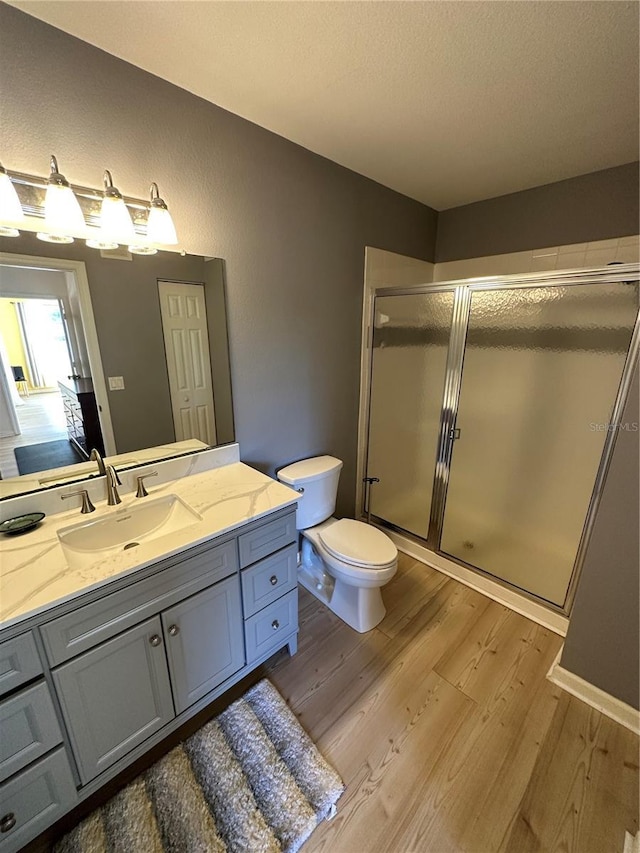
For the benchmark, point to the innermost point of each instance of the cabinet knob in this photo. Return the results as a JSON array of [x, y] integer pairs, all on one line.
[[7, 822], [155, 640], [275, 624], [174, 630], [273, 580]]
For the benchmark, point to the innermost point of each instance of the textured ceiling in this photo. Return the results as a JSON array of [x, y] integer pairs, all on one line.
[[446, 102]]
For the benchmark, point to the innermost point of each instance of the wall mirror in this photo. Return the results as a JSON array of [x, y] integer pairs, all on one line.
[[145, 335]]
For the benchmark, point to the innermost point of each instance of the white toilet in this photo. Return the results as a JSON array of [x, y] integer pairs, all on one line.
[[344, 562]]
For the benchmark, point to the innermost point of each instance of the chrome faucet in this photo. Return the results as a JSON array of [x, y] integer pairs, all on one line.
[[113, 481], [95, 457]]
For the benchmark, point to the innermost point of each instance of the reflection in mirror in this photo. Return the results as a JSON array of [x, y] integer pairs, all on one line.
[[107, 350]]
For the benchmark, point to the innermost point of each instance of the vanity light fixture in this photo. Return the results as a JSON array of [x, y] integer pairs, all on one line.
[[59, 212], [62, 213], [160, 227], [115, 221], [10, 207]]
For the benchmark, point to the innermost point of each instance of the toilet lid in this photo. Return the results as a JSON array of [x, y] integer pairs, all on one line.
[[358, 543]]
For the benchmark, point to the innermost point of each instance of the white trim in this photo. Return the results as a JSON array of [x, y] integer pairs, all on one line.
[[593, 696], [79, 270], [555, 622]]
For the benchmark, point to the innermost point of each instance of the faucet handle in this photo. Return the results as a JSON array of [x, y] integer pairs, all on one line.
[[87, 506], [142, 492]]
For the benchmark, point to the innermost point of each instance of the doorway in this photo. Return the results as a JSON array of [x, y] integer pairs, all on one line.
[[47, 336]]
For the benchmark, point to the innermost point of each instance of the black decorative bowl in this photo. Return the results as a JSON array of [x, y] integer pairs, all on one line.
[[21, 523]]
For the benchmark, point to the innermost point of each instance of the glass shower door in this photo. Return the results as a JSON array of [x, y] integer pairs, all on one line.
[[410, 348], [542, 366]]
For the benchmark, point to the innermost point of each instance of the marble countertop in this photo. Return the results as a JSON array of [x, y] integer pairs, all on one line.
[[34, 574]]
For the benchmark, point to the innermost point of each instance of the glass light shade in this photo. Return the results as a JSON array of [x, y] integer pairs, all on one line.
[[99, 243], [115, 224], [62, 212], [54, 238], [11, 212], [115, 221], [160, 227], [142, 249]]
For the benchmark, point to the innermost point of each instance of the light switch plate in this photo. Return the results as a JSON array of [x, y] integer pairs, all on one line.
[[116, 383]]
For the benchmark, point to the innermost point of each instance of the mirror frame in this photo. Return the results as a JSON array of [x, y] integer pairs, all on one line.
[[78, 269]]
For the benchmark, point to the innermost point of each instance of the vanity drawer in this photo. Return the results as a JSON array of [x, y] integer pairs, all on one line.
[[84, 628], [264, 540], [269, 579], [29, 729], [269, 628], [19, 662], [34, 799]]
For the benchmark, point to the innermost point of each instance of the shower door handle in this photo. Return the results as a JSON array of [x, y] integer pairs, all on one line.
[[454, 434]]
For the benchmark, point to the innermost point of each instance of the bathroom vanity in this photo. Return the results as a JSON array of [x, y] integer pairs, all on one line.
[[101, 658]]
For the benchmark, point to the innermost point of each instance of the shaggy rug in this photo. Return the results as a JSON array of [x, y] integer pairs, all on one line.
[[250, 780]]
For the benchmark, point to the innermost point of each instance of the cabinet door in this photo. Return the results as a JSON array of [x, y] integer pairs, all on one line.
[[115, 696], [34, 799], [205, 643]]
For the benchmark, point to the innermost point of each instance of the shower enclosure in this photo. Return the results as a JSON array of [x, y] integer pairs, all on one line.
[[492, 413]]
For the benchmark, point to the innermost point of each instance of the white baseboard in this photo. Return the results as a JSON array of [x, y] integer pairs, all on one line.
[[604, 702], [555, 622]]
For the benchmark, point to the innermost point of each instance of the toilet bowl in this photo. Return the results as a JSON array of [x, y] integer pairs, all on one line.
[[344, 562]]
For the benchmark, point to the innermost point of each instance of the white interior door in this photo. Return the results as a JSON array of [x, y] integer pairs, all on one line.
[[186, 342]]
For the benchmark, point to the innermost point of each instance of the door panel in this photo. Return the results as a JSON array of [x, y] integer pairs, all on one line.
[[184, 323], [205, 644], [542, 366], [115, 696], [410, 347]]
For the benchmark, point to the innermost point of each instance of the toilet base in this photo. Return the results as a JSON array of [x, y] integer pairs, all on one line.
[[361, 608]]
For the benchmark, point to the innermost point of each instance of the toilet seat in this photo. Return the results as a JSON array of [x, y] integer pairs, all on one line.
[[358, 544]]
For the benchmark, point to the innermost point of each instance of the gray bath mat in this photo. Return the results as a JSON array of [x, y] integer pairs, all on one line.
[[250, 781]]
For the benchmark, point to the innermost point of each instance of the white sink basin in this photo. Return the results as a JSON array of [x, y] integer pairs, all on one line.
[[89, 541]]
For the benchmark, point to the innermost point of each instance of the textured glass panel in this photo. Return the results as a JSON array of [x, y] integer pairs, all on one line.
[[410, 344], [541, 372]]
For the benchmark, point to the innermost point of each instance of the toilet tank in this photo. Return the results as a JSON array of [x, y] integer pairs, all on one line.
[[318, 478]]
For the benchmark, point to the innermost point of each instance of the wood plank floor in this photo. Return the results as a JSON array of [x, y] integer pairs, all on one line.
[[447, 733], [41, 418]]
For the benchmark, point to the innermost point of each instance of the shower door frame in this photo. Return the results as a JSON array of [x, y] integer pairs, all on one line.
[[463, 290]]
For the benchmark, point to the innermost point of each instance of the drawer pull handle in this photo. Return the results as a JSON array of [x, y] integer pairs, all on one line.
[[275, 624], [273, 580], [7, 822], [155, 640], [174, 630]]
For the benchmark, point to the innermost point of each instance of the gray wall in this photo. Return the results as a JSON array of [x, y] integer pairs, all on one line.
[[603, 640], [591, 207], [291, 226]]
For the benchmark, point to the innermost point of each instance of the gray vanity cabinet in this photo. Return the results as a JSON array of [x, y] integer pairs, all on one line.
[[115, 696], [204, 641], [132, 663]]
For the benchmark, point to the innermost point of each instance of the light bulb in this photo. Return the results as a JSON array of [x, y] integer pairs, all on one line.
[[11, 212], [160, 227]]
